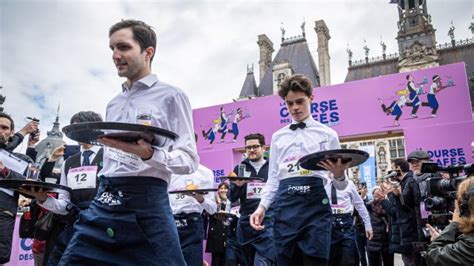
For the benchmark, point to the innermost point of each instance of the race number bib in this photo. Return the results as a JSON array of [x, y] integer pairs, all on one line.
[[338, 208], [126, 158], [254, 190], [82, 177], [181, 199], [291, 168]]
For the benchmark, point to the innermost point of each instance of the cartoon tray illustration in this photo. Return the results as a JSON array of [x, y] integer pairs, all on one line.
[[17, 184], [194, 191], [91, 131], [356, 157], [250, 178]]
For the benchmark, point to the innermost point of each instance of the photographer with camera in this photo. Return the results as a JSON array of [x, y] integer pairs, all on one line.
[[416, 159], [8, 197], [401, 205], [455, 244]]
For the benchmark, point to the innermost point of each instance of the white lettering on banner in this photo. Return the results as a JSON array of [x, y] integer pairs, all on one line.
[[254, 190], [82, 177], [123, 157]]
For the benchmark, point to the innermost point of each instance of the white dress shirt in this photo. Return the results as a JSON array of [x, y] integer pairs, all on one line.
[[347, 200], [59, 205], [203, 178], [290, 145], [170, 109]]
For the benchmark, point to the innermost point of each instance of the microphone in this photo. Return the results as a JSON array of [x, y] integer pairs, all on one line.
[[392, 174], [391, 178]]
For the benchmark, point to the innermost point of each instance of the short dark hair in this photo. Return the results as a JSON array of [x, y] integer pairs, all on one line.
[[295, 83], [86, 116], [402, 163], [7, 116], [142, 33], [258, 136]]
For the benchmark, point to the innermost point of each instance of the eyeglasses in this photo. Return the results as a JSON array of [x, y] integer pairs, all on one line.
[[252, 147]]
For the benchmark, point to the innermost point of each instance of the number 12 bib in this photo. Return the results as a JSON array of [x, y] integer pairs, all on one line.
[[82, 177]]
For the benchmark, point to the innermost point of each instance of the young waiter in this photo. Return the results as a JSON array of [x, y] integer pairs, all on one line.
[[302, 220]]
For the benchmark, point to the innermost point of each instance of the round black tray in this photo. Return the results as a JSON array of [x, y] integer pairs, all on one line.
[[356, 157], [194, 191], [91, 131], [250, 178], [17, 184]]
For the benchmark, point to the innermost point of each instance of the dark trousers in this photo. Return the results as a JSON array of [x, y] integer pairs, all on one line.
[[361, 241], [7, 225], [258, 246], [380, 258], [191, 234], [234, 253], [299, 259], [128, 223], [218, 259], [343, 247]]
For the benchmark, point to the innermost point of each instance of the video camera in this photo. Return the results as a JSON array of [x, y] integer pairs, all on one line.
[[441, 192]]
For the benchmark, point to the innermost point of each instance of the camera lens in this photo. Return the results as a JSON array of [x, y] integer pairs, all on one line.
[[435, 204]]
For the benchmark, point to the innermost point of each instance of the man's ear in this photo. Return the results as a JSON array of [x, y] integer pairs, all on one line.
[[150, 51]]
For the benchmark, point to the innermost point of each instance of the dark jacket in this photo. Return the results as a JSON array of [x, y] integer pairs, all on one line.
[[405, 208], [408, 207], [394, 233], [451, 248], [380, 226], [247, 206]]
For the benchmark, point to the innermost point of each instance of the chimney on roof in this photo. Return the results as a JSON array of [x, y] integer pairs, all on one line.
[[266, 50], [322, 32]]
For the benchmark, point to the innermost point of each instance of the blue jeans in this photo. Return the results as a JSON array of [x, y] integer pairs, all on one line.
[[128, 223]]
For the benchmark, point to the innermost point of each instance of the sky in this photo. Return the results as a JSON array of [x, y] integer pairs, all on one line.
[[57, 52]]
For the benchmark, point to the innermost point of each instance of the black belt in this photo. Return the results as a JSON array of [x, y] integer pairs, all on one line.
[[342, 215], [187, 216]]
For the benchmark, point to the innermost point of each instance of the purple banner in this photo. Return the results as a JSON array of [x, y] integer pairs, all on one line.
[[395, 102], [430, 107]]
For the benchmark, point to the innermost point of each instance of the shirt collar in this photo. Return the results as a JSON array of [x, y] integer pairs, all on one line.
[[308, 121], [144, 83], [94, 149]]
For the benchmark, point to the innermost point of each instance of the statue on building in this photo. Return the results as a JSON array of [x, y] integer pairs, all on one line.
[[384, 47], [282, 29], [366, 48], [303, 27], [451, 31], [349, 52], [2, 100]]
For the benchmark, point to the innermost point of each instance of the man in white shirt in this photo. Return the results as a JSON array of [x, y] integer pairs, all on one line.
[[302, 220], [130, 220], [344, 198], [79, 172], [187, 211]]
